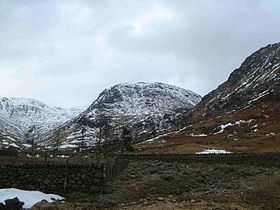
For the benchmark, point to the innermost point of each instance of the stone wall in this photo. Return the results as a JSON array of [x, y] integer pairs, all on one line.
[[52, 178], [257, 159], [60, 178]]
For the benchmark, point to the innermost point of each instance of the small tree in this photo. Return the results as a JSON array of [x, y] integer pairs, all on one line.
[[103, 124], [127, 140], [82, 145], [29, 137]]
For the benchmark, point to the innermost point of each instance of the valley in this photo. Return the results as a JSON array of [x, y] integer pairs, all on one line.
[[232, 133]]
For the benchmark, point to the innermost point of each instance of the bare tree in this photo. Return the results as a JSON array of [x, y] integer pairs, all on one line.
[[127, 140], [56, 139], [83, 131], [29, 137], [103, 123]]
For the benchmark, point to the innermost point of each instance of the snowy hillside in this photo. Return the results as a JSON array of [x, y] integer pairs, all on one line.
[[144, 107], [258, 76], [241, 115], [145, 98], [18, 116]]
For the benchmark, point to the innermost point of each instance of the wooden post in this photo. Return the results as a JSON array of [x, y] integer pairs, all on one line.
[[46, 156]]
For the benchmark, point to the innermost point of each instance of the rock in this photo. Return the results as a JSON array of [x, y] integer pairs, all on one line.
[[160, 198], [42, 205], [132, 176], [3, 207], [167, 177], [14, 204], [108, 189], [94, 189], [193, 201]]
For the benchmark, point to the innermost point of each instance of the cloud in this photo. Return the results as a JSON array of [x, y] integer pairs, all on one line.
[[145, 22], [21, 80], [66, 52]]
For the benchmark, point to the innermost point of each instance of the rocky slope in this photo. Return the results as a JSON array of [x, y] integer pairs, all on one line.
[[241, 115], [146, 108], [23, 117], [258, 76]]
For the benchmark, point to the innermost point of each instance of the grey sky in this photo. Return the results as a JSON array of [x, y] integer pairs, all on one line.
[[66, 52]]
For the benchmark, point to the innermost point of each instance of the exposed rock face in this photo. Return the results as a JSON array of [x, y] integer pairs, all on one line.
[[145, 107], [258, 76]]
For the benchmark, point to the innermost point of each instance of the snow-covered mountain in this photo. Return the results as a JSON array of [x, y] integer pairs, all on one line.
[[145, 98], [144, 107], [20, 116]]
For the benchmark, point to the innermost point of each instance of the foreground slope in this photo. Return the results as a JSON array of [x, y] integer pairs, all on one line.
[[242, 114], [146, 108]]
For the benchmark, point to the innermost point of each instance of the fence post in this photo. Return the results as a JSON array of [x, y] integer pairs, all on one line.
[[46, 157]]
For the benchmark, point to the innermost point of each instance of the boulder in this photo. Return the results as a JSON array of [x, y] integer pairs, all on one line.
[[14, 204]]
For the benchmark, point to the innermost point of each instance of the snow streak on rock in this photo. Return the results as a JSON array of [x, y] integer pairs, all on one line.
[[256, 78]]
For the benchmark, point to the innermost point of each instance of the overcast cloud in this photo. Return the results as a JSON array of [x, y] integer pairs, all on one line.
[[66, 52]]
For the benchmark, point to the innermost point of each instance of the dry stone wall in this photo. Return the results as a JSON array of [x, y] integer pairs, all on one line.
[[52, 178], [271, 159]]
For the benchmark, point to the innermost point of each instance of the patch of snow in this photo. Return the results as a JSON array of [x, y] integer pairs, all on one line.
[[159, 136], [255, 126], [198, 135], [184, 128], [62, 156], [13, 145], [27, 145], [239, 122], [223, 128], [213, 151], [260, 96], [29, 198], [66, 146]]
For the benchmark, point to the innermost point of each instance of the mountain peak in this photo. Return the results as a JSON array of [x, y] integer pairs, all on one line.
[[257, 77], [144, 107], [18, 115], [139, 97]]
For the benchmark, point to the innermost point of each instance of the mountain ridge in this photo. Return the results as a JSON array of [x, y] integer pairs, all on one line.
[[18, 115], [257, 76], [141, 106], [240, 115]]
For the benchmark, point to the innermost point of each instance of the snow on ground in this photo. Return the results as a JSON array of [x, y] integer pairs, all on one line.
[[213, 151], [13, 145], [239, 122], [65, 146], [29, 198], [198, 135], [223, 128], [27, 145], [157, 137]]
